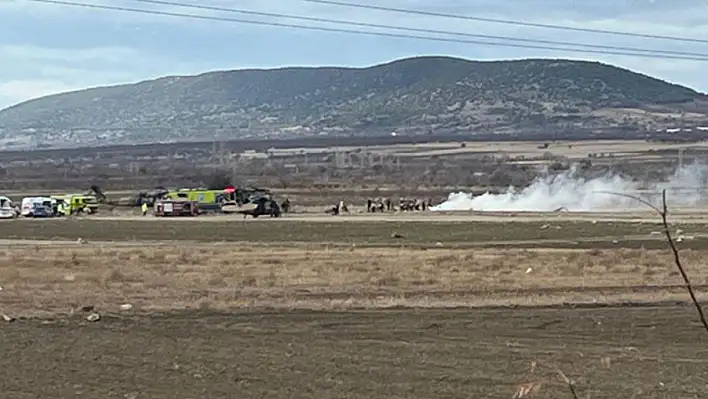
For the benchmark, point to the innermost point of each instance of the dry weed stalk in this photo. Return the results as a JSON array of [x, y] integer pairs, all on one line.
[[527, 390], [663, 213], [531, 389], [569, 383]]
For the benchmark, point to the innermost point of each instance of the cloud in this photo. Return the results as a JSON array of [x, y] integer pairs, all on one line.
[[36, 71], [48, 48], [14, 91], [32, 71], [43, 54]]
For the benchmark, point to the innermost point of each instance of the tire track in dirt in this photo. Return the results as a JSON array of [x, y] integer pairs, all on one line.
[[511, 243], [511, 292]]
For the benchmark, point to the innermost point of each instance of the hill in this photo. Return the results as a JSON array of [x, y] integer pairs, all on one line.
[[415, 95]]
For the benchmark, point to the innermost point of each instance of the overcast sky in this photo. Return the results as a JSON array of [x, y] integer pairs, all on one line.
[[49, 48]]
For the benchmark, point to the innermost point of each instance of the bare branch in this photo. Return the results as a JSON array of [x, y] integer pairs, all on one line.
[[664, 213], [634, 197], [677, 261]]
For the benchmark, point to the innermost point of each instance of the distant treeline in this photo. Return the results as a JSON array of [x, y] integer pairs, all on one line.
[[158, 149]]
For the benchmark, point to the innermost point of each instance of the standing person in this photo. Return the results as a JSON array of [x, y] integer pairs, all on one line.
[[286, 205], [144, 208]]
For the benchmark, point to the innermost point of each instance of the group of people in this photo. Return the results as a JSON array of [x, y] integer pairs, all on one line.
[[386, 205], [414, 205]]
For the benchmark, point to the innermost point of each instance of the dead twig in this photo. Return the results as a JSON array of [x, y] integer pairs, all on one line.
[[569, 383], [664, 214]]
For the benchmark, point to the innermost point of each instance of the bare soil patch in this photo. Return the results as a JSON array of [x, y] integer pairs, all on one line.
[[653, 353]]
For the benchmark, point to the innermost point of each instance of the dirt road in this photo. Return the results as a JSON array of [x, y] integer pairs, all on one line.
[[417, 230], [610, 353], [677, 216]]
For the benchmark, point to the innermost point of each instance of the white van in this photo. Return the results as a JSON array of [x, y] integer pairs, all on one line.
[[37, 206]]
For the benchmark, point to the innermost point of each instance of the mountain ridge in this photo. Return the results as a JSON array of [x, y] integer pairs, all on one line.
[[411, 95]]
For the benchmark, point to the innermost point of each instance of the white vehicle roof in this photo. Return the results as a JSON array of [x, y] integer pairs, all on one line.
[[6, 203], [36, 200]]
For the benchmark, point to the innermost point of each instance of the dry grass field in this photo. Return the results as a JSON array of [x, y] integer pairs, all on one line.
[[55, 280], [453, 305], [299, 321], [572, 149]]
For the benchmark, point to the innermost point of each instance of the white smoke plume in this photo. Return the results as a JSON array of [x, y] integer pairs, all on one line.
[[576, 194]]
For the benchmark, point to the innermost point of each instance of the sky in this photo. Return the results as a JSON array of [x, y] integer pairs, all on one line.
[[48, 48]]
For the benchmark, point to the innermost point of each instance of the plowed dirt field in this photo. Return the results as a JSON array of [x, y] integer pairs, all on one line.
[[609, 353]]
